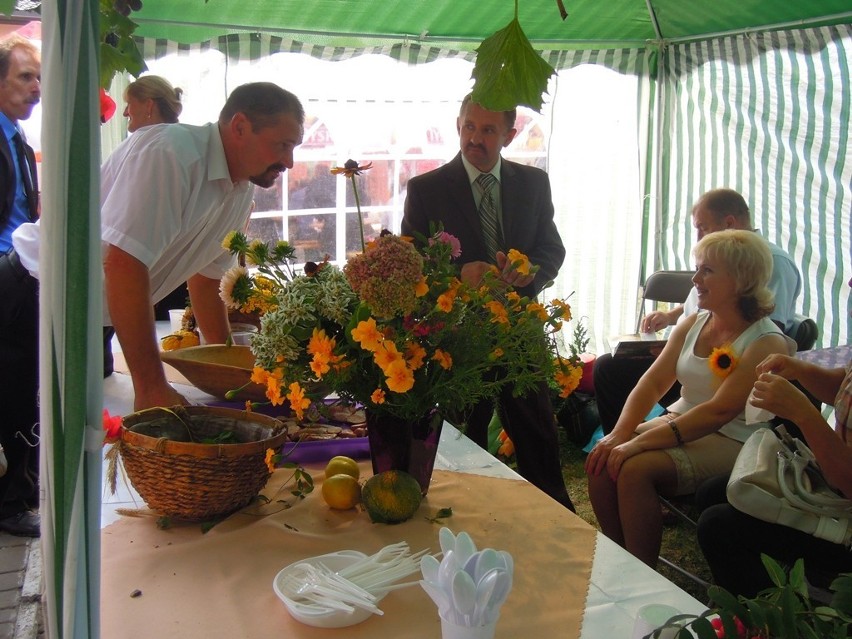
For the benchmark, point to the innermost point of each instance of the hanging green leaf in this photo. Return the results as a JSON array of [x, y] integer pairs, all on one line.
[[118, 50], [508, 72]]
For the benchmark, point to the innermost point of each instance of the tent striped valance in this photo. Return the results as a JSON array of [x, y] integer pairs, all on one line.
[[254, 46]]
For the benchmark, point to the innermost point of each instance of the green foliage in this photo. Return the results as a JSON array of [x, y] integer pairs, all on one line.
[[118, 51], [508, 72], [783, 611], [7, 7]]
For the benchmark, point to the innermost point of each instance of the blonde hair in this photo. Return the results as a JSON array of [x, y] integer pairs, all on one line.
[[9, 44], [160, 90], [747, 256]]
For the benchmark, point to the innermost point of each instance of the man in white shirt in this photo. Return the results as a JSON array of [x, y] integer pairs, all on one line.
[[716, 210], [169, 195]]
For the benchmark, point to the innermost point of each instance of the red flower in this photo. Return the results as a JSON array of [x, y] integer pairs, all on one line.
[[112, 427], [107, 106]]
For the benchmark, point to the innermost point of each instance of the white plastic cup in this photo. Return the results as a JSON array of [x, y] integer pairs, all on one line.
[[242, 338], [652, 616], [450, 630], [176, 318]]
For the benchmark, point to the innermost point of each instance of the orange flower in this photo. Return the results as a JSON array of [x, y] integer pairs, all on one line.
[[351, 168], [320, 364], [497, 353], [519, 261], [445, 301], [507, 447], [270, 460], [499, 314], [537, 310], [297, 399], [249, 406], [367, 334], [723, 360], [567, 377], [321, 344], [386, 355], [378, 396], [400, 379], [414, 354], [443, 358], [422, 287]]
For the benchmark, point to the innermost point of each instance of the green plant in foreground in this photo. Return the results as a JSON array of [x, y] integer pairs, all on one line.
[[783, 611]]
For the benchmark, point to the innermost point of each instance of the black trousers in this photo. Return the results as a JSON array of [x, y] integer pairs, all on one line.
[[19, 428], [530, 423], [733, 541], [614, 379]]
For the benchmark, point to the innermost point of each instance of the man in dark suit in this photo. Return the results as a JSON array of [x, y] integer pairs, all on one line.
[[20, 91], [492, 205]]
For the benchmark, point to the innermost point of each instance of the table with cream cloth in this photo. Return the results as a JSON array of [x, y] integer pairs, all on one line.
[[570, 580]]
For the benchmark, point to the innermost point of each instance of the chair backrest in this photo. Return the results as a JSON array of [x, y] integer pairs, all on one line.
[[804, 331], [665, 286]]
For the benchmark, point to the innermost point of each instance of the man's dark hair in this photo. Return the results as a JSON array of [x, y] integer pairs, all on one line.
[[262, 103], [510, 115], [724, 202]]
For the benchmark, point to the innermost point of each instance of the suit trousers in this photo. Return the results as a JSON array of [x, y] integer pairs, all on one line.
[[531, 425], [19, 428], [615, 379]]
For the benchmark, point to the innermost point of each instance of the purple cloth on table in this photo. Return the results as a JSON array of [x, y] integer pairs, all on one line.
[[311, 451]]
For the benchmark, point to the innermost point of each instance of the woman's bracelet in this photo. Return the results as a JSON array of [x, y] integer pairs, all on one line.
[[675, 429]]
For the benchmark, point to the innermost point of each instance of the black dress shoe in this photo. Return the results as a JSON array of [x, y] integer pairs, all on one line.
[[24, 524]]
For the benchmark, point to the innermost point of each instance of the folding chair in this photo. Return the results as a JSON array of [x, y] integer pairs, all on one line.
[[664, 286], [804, 331]]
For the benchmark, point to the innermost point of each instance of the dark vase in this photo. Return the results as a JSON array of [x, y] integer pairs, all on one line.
[[398, 444]]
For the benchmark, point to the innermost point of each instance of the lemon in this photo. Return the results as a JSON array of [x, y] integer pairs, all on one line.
[[344, 465], [341, 491], [391, 497]]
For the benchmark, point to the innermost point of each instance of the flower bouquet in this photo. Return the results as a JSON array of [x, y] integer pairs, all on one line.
[[396, 330]]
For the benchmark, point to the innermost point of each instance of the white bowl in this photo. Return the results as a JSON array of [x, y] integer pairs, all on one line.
[[314, 614]]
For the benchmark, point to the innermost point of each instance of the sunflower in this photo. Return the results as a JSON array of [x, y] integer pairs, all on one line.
[[723, 360]]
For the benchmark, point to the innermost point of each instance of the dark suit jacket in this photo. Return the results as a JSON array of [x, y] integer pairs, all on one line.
[[444, 196], [7, 181]]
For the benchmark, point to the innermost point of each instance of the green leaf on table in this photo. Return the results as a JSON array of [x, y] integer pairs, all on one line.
[[443, 513], [508, 72]]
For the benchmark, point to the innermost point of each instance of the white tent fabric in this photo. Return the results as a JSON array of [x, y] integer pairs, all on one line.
[[70, 354], [764, 113]]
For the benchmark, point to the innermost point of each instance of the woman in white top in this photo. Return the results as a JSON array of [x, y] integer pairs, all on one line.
[[713, 354], [151, 100]]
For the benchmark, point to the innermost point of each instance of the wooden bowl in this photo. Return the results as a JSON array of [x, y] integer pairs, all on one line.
[[217, 369]]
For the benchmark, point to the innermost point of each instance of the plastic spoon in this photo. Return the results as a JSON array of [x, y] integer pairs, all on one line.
[[488, 560], [429, 568], [464, 547], [484, 589], [447, 539], [464, 597], [437, 595], [498, 596]]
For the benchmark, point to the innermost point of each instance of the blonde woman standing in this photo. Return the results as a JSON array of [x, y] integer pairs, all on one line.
[[151, 100]]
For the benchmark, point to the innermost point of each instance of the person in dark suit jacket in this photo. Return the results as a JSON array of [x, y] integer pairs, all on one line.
[[451, 196], [20, 91]]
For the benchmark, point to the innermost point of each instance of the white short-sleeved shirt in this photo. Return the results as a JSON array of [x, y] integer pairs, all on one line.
[[168, 200]]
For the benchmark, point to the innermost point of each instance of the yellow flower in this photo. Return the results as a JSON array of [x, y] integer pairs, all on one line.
[[537, 310], [297, 399], [321, 344], [378, 396], [564, 309], [229, 238], [513, 298], [723, 361], [443, 358], [520, 261], [497, 353], [400, 379], [320, 364], [367, 334], [270, 460]]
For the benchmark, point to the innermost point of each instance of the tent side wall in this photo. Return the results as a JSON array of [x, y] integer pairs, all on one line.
[[767, 115]]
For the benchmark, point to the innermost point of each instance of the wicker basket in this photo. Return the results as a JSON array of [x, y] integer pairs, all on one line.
[[195, 481]]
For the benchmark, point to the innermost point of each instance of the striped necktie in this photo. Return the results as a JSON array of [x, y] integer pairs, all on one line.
[[491, 234]]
